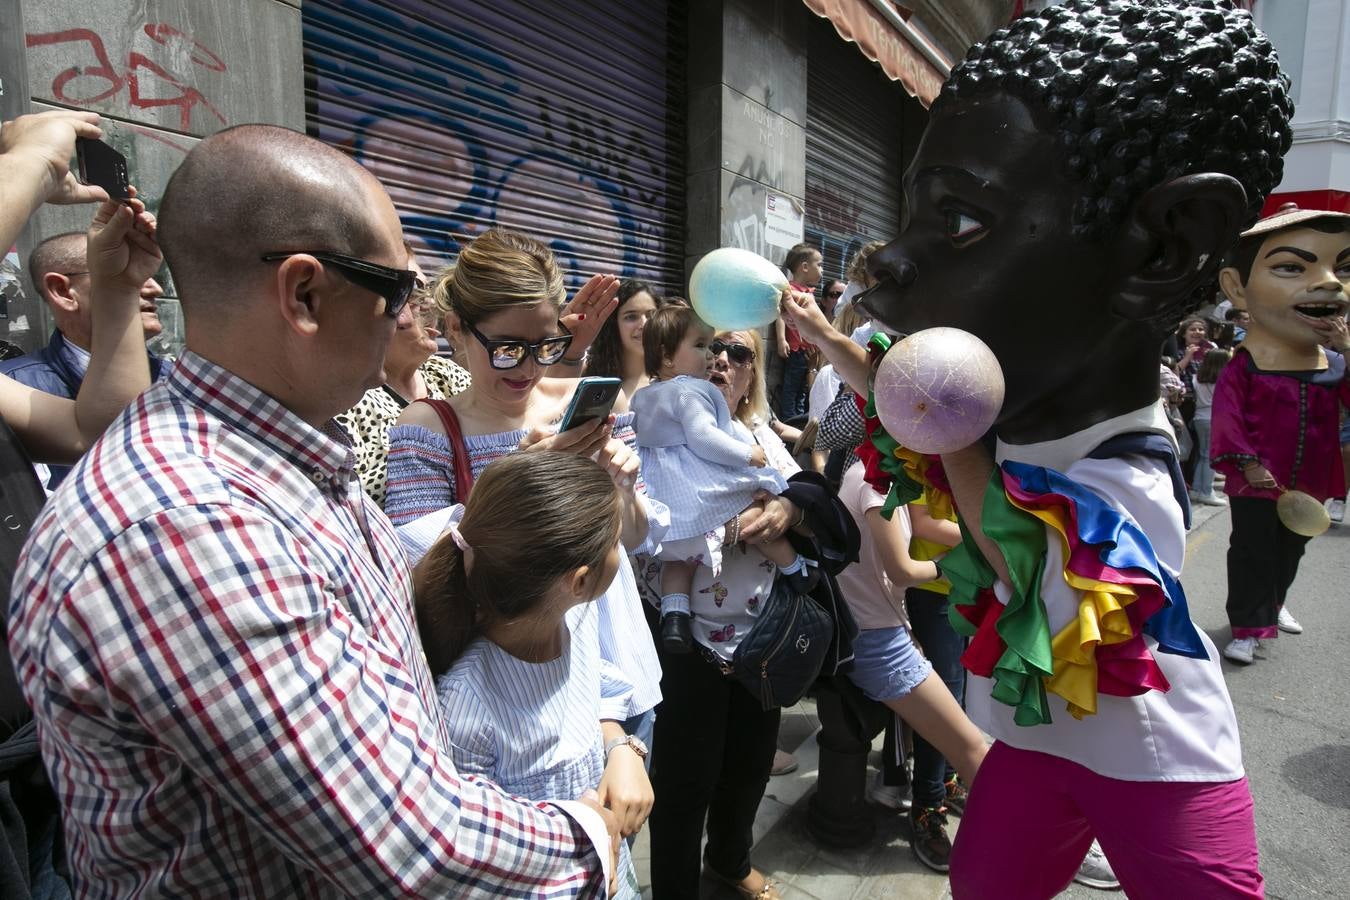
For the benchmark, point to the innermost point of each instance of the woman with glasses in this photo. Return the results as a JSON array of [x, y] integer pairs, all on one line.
[[503, 306], [617, 351], [412, 372]]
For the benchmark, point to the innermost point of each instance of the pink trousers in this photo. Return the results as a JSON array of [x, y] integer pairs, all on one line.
[[1031, 817]]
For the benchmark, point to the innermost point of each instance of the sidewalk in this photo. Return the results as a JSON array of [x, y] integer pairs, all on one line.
[[882, 868]]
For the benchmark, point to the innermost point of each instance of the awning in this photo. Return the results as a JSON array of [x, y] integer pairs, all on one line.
[[886, 39]]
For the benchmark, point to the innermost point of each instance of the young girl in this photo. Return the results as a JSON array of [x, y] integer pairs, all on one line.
[[700, 462], [889, 668], [505, 615], [1205, 379]]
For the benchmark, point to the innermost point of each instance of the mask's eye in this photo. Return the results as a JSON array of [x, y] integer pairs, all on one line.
[[961, 227]]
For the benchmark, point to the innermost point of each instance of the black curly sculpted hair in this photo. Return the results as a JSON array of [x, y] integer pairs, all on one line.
[[1142, 91]]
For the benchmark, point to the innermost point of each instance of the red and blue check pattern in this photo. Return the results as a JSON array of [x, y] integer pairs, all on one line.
[[214, 627]]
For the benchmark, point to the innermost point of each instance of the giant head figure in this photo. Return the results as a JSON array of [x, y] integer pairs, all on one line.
[[1083, 173]]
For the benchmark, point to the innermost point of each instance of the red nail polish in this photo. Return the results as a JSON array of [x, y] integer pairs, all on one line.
[[581, 317]]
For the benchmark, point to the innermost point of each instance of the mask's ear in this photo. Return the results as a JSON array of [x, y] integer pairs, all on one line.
[[1231, 285], [1175, 240]]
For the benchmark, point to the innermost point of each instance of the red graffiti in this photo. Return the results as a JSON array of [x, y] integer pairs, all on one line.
[[147, 83]]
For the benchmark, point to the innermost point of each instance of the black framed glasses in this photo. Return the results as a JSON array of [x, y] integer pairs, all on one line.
[[396, 286], [740, 354], [507, 354]]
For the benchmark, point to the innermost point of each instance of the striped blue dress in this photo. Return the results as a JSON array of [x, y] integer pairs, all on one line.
[[534, 728]]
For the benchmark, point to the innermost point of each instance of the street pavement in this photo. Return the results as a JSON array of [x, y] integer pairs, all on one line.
[[1293, 707]]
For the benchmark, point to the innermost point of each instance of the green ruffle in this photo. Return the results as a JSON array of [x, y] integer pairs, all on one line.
[[1024, 627]]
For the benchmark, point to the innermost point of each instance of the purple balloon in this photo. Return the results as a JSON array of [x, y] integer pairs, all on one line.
[[938, 390]]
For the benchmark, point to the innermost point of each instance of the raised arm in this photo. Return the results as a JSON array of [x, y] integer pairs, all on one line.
[[122, 254], [849, 360], [35, 152]]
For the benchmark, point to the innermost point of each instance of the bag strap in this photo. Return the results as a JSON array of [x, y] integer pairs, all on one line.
[[455, 435]]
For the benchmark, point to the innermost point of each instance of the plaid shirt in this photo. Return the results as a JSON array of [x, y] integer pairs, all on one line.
[[214, 627]]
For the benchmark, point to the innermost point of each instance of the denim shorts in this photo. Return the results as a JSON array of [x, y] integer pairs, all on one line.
[[886, 664]]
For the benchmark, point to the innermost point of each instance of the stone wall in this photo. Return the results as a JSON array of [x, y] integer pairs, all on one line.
[[164, 74]]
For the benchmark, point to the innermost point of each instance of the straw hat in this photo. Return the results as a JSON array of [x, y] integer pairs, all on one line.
[[1289, 215]]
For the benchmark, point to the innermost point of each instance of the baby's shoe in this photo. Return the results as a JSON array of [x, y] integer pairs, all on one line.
[[676, 637]]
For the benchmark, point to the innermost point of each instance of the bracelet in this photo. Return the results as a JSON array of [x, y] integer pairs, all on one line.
[[735, 532], [573, 363], [801, 517]]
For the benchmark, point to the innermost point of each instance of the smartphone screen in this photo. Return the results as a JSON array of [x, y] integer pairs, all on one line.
[[104, 167], [593, 400]]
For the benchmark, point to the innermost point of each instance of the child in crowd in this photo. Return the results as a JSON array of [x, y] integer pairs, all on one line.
[[1203, 482], [1277, 406], [802, 265], [700, 462], [889, 668], [503, 608]]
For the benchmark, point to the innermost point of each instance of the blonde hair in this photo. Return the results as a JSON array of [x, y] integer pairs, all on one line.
[[847, 320], [531, 519], [498, 270], [857, 266], [755, 404]]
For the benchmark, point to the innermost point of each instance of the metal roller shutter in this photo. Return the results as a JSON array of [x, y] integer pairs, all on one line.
[[856, 121], [564, 121]]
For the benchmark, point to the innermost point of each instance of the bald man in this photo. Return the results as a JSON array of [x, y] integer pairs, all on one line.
[[215, 624], [59, 268]]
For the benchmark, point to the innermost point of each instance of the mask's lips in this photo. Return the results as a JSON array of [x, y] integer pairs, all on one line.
[[1321, 310]]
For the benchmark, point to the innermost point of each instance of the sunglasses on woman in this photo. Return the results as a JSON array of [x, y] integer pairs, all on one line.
[[740, 354], [507, 354], [396, 286]]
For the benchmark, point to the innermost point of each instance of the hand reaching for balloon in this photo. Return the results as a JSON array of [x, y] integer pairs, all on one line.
[[592, 305], [802, 311]]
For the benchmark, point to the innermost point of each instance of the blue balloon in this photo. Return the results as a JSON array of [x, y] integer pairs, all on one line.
[[734, 290]]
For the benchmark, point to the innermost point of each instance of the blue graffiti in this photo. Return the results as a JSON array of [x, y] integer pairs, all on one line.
[[465, 140]]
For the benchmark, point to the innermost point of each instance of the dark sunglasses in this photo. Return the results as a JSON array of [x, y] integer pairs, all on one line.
[[834, 293], [396, 286], [738, 353], [508, 354]]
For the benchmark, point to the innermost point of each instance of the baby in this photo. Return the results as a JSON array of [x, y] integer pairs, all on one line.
[[701, 463]]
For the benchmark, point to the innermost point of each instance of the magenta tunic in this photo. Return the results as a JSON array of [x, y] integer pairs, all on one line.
[[1289, 422]]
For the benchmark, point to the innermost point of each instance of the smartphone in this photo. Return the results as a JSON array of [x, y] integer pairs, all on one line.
[[104, 167], [593, 400]]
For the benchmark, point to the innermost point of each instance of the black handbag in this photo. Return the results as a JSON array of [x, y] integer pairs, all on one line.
[[781, 656]]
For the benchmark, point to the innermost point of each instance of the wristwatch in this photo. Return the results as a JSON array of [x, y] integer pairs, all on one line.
[[634, 742]]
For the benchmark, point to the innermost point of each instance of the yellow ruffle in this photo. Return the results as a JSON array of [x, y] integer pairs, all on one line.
[[1101, 619]]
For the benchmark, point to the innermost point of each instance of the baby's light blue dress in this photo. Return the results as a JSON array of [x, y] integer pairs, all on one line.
[[695, 456]]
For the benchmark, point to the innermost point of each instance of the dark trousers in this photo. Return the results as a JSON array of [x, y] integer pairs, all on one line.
[[943, 646], [1263, 559], [792, 403], [713, 749]]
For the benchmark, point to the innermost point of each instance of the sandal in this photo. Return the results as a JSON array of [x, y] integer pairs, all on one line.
[[768, 891]]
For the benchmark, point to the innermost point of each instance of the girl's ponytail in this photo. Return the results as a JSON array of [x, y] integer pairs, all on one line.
[[447, 620]]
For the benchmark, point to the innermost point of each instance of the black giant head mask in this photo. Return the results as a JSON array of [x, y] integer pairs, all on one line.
[[1082, 174]]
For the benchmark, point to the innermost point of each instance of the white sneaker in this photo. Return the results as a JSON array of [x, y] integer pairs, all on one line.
[[1336, 509], [1287, 623], [890, 796], [1241, 650], [1095, 872], [1213, 499]]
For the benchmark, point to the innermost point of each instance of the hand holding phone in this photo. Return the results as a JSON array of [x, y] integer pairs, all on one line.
[[594, 399], [102, 166]]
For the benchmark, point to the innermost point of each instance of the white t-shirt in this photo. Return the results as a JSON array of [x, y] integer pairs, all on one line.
[[874, 600], [823, 391], [1188, 733]]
